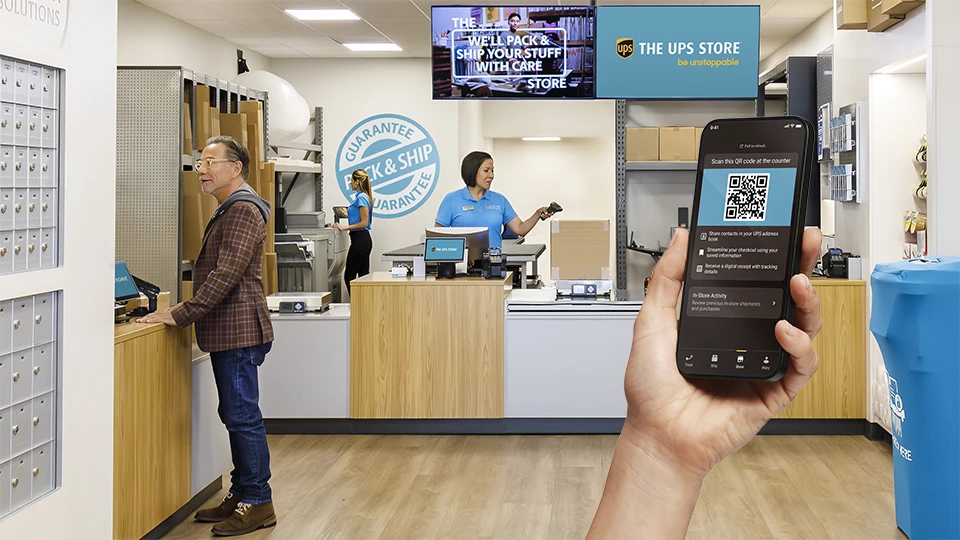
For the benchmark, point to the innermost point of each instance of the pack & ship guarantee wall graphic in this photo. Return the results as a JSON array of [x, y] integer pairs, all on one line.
[[400, 157]]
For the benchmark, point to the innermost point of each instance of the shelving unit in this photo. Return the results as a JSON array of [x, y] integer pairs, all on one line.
[[660, 166], [151, 163], [314, 153]]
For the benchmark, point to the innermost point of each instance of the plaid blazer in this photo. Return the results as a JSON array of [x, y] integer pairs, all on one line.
[[229, 306]]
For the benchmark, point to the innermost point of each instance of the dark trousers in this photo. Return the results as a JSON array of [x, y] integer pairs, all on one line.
[[358, 257], [235, 372]]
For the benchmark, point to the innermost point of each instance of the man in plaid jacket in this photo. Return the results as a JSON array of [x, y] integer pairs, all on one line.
[[229, 309]]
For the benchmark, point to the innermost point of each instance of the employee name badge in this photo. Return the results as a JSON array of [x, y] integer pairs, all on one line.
[[467, 208], [493, 206]]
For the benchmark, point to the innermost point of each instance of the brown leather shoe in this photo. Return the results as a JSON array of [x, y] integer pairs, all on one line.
[[219, 513], [246, 519]]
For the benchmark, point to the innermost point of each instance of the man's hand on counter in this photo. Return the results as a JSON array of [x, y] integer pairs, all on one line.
[[677, 429], [165, 317]]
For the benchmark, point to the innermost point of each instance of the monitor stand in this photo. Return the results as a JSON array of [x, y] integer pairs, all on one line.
[[446, 270]]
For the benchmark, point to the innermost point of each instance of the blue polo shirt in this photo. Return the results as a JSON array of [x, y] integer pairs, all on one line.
[[353, 211], [460, 209]]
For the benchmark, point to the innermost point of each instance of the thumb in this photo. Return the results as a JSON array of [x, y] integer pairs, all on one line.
[[667, 278]]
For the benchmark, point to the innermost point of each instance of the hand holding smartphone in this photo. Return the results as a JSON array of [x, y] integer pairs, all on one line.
[[744, 247]]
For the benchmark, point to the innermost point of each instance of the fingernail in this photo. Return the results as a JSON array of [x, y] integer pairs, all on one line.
[[789, 328], [672, 239]]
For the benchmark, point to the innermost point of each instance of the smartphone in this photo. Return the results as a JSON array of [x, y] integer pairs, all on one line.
[[749, 208]]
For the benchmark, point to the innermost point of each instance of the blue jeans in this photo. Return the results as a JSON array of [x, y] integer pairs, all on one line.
[[235, 372]]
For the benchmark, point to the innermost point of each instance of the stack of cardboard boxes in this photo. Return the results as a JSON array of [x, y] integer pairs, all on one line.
[[663, 143], [198, 207]]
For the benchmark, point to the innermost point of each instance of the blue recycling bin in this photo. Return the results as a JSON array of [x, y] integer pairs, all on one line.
[[916, 320]]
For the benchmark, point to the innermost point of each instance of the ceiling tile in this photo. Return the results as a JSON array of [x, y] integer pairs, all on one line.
[[799, 9], [185, 11], [384, 9], [782, 28], [344, 31], [289, 53], [258, 43], [309, 44], [306, 4]]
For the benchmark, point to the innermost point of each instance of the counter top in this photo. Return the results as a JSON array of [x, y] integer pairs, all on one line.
[[820, 281], [130, 330], [386, 279]]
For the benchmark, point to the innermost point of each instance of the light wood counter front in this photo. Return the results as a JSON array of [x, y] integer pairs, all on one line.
[[152, 426], [426, 348], [838, 388]]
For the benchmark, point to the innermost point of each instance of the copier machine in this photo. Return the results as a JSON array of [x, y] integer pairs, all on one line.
[[311, 255]]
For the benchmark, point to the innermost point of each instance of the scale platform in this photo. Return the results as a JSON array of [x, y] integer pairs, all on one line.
[[299, 302]]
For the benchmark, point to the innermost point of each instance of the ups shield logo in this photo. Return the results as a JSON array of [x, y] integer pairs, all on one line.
[[624, 47]]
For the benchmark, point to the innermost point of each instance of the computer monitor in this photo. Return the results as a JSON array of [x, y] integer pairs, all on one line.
[[477, 240], [124, 288], [446, 253]]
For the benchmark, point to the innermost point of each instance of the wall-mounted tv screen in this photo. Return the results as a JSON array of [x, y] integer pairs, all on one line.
[[678, 52], [513, 52]]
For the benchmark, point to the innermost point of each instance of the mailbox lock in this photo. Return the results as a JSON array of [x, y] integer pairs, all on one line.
[[30, 249], [36, 370], [3, 209], [44, 207], [18, 124], [33, 126], [3, 165], [43, 246], [16, 208], [33, 86], [3, 123], [16, 251], [45, 128], [36, 420], [16, 482], [16, 323], [19, 83], [36, 471], [16, 429], [33, 167], [39, 318], [45, 167], [18, 166], [32, 207], [16, 377], [3, 252]]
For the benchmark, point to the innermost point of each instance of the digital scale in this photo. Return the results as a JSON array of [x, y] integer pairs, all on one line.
[[299, 302], [584, 288]]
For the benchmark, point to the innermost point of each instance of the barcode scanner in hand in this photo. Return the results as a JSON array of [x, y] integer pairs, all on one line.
[[552, 209]]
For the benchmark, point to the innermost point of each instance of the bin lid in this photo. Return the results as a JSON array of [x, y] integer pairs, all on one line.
[[920, 271]]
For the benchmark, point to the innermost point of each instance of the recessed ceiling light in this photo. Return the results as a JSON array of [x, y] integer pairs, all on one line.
[[541, 139], [373, 47], [323, 14]]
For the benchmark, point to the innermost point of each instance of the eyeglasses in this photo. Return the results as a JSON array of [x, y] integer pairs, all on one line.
[[209, 162]]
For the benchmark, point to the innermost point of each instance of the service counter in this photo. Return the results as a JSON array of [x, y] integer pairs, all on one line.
[[170, 449], [470, 355]]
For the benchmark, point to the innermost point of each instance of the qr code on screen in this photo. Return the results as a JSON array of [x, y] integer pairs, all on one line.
[[746, 197]]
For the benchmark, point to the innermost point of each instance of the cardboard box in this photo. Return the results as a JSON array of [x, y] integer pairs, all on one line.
[[877, 20], [272, 282], [235, 125], [204, 115], [643, 144], [580, 249], [187, 131], [851, 14], [215, 129], [254, 111], [900, 7], [268, 192], [193, 223], [676, 144], [697, 134]]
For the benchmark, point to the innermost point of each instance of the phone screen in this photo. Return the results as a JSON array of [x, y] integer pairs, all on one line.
[[744, 242]]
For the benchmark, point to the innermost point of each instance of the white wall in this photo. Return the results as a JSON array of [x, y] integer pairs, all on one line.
[[813, 40], [898, 119], [352, 90], [578, 173], [857, 55], [147, 37], [82, 507], [943, 47]]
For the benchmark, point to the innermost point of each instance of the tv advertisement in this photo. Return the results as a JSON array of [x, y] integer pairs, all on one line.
[[513, 52], [678, 52]]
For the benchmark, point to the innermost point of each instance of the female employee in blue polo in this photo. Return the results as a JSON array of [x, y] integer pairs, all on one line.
[[359, 216], [478, 206]]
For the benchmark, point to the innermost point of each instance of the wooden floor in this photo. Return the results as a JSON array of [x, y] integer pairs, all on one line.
[[426, 487]]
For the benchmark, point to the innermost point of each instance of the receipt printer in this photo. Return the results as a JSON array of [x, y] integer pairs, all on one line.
[[840, 264], [493, 263]]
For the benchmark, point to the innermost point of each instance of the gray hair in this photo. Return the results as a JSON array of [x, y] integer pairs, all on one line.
[[235, 152]]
